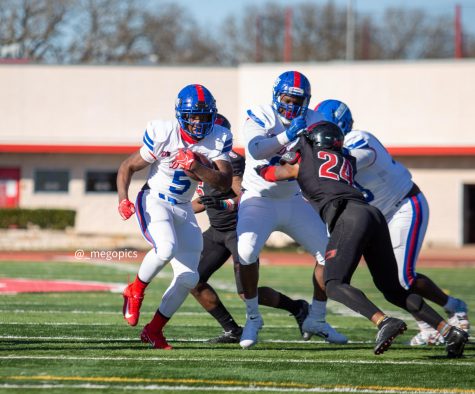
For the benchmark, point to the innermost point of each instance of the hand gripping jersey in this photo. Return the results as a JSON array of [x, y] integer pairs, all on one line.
[[222, 219], [383, 181], [263, 124], [161, 142]]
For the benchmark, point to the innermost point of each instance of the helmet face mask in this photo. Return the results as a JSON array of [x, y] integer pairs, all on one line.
[[195, 110], [291, 95], [325, 135], [337, 112]]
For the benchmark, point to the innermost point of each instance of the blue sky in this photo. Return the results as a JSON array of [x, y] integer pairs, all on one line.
[[211, 10]]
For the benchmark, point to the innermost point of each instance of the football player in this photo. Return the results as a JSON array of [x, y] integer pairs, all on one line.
[[220, 243], [325, 172], [279, 206], [163, 208], [388, 185]]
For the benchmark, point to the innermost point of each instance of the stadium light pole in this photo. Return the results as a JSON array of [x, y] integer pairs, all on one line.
[[288, 35], [458, 32], [350, 31]]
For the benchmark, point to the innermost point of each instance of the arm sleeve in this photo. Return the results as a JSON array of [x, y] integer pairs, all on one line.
[[259, 145]]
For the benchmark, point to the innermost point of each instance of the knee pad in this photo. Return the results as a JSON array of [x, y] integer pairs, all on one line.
[[188, 279], [247, 254], [414, 303], [165, 251], [332, 288]]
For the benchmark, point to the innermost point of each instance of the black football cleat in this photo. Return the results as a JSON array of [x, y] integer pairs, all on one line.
[[302, 314], [390, 329], [228, 337], [455, 342]]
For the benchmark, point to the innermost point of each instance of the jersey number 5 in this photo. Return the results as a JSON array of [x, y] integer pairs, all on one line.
[[329, 169], [180, 179]]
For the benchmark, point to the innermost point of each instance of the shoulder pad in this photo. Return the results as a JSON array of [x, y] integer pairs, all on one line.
[[262, 115]]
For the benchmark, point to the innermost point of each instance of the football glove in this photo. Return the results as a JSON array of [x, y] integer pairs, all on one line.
[[296, 128], [126, 209], [216, 203], [289, 158], [184, 159]]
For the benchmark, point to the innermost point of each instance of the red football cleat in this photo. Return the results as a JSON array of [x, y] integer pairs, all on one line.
[[156, 339], [132, 304]]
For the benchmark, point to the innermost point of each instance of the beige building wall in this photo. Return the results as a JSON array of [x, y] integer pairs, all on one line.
[[408, 104]]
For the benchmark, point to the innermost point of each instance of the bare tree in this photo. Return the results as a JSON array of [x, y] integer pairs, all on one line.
[[171, 42], [34, 26], [105, 31], [409, 34]]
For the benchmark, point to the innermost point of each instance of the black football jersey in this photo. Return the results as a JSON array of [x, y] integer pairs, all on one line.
[[223, 220], [326, 178]]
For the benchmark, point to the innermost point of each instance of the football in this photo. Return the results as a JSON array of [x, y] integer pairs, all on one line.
[[203, 160]]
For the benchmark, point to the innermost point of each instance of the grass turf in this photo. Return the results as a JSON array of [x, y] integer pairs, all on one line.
[[67, 342]]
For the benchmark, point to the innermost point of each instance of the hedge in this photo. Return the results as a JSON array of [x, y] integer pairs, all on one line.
[[57, 219]]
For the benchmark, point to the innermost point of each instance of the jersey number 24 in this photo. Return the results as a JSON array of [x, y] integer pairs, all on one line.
[[335, 167]]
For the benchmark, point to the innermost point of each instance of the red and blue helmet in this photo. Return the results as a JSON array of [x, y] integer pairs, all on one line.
[[291, 83], [222, 121], [196, 100], [337, 112]]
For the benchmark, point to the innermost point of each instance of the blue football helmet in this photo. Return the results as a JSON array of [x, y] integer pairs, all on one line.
[[336, 112], [222, 121], [295, 84], [196, 100]]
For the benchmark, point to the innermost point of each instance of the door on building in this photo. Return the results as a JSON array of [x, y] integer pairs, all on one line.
[[9, 187], [469, 214]]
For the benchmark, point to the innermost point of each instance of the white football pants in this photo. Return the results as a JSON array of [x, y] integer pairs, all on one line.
[[259, 216], [173, 232]]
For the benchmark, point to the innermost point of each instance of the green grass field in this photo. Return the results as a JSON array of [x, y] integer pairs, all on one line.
[[72, 342]]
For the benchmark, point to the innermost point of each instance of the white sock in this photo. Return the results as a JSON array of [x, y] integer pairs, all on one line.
[[252, 306], [423, 326], [151, 266], [318, 311]]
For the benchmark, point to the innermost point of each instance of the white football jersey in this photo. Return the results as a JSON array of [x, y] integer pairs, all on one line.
[[161, 142], [383, 180], [262, 124]]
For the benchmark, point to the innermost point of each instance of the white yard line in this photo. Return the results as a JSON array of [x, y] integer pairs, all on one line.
[[378, 361], [160, 388]]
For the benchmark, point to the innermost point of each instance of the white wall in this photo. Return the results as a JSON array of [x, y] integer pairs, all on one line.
[[405, 103]]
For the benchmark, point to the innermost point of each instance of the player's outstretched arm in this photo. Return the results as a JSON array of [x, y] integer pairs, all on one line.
[[278, 173], [132, 164]]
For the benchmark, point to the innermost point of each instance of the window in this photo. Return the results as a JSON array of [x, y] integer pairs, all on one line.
[[101, 181], [52, 181]]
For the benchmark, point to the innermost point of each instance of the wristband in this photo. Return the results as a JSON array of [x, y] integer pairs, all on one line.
[[227, 204], [268, 173]]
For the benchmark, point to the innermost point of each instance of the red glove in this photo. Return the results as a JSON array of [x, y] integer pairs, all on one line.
[[126, 209], [184, 159]]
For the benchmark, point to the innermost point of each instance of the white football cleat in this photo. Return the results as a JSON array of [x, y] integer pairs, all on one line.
[[250, 331], [460, 320], [427, 337], [322, 329]]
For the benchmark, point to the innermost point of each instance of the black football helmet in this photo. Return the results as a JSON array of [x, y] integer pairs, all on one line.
[[222, 121], [325, 135]]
